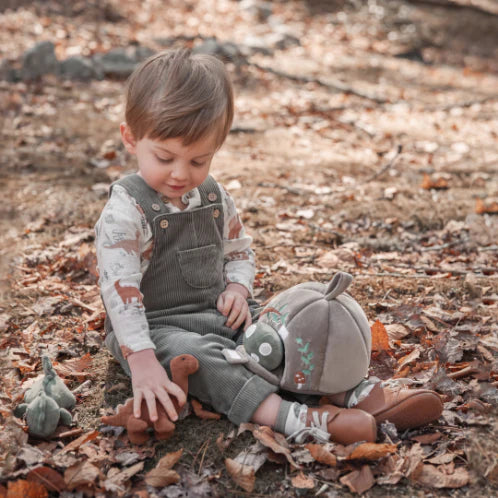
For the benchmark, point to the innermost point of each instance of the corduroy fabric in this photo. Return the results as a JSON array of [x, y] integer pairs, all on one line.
[[180, 289]]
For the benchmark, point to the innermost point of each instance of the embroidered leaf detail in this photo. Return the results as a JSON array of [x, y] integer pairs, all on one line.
[[299, 341], [307, 371]]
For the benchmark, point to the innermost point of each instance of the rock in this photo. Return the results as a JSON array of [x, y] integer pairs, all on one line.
[[39, 60], [8, 72], [116, 63], [223, 50], [79, 68]]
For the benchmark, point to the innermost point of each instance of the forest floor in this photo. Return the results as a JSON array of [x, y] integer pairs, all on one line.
[[366, 144]]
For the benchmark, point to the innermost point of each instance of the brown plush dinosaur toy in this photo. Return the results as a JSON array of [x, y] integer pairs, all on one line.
[[181, 367]]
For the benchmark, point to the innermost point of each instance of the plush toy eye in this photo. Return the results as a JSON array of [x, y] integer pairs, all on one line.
[[250, 330], [265, 349]]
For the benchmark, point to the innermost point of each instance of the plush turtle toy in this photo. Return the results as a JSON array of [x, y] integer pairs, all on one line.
[[46, 403], [312, 338]]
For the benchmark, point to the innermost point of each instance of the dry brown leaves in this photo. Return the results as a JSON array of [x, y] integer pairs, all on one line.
[[162, 475]]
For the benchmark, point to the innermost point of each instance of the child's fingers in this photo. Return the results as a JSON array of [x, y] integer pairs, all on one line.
[[176, 391], [220, 303], [165, 400], [150, 399], [248, 320], [137, 402], [228, 304], [240, 312]]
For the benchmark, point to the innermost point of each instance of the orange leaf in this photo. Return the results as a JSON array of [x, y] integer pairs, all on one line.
[[266, 437], [359, 481], [435, 182], [380, 340], [162, 475], [89, 436], [203, 414], [486, 206], [242, 475], [372, 451], [48, 477], [26, 489], [321, 454], [302, 482]]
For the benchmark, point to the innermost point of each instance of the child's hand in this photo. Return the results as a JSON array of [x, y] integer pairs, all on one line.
[[150, 381], [232, 303]]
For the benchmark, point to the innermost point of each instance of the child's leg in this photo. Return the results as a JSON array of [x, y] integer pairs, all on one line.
[[328, 422]]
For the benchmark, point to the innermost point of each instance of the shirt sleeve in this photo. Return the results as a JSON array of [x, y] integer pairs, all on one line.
[[122, 242], [239, 257]]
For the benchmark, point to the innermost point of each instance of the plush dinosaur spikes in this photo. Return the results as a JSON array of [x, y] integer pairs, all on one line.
[[181, 367], [52, 385]]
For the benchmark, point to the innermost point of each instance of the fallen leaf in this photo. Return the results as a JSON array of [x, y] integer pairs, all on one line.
[[118, 479], [267, 437], [242, 475], [396, 331], [321, 454], [49, 478], [489, 206], [302, 482], [203, 414], [372, 451], [380, 340], [359, 481], [162, 475], [73, 445], [409, 358], [436, 182], [427, 438], [81, 474], [428, 475]]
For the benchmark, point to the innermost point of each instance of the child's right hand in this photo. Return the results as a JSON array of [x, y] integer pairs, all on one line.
[[150, 382]]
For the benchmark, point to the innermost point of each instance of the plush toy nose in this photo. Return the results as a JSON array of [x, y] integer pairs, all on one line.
[[338, 285]]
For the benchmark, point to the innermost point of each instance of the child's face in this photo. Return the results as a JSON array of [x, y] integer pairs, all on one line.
[[168, 166]]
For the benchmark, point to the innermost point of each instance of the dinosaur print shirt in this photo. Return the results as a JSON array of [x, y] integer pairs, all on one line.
[[124, 243]]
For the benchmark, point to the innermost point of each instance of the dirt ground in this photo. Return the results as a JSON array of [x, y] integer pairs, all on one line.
[[314, 170]]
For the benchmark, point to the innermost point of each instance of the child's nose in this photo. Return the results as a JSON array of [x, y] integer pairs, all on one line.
[[179, 171]]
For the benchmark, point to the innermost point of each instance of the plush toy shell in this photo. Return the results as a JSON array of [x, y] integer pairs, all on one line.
[[326, 336]]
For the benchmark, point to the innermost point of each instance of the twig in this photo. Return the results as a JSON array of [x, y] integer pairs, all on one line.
[[283, 187], [463, 372], [202, 458], [389, 165], [441, 246], [81, 386]]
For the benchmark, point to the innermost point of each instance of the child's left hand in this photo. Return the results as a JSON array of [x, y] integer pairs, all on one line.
[[232, 303]]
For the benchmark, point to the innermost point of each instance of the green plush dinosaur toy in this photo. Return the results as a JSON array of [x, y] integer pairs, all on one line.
[[52, 385]]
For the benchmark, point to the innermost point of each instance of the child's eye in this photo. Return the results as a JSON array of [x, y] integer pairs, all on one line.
[[162, 160], [196, 164]]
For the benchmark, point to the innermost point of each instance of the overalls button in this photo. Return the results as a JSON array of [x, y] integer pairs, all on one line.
[[216, 213], [164, 224], [212, 196], [156, 207]]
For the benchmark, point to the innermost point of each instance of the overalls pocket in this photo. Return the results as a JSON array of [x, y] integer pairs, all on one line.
[[201, 267]]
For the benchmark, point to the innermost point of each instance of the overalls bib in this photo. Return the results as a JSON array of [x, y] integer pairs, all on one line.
[[180, 287]]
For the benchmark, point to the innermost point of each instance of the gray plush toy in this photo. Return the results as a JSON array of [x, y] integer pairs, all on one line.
[[312, 338], [46, 403]]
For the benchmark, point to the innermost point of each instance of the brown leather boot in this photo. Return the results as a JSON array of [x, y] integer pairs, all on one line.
[[328, 422], [405, 408]]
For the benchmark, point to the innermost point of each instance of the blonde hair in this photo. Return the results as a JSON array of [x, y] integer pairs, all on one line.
[[179, 94]]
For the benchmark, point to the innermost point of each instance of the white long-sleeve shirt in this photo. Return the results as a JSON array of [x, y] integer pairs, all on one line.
[[124, 243]]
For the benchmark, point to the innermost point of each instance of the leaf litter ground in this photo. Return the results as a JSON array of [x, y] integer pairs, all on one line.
[[322, 186]]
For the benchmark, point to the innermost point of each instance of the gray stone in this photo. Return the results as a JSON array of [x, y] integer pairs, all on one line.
[[39, 60], [79, 68], [116, 63], [223, 50], [8, 72]]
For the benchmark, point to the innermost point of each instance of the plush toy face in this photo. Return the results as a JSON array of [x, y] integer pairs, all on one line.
[[264, 345]]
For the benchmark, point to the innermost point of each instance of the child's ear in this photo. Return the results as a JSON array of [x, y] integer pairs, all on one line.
[[127, 137]]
